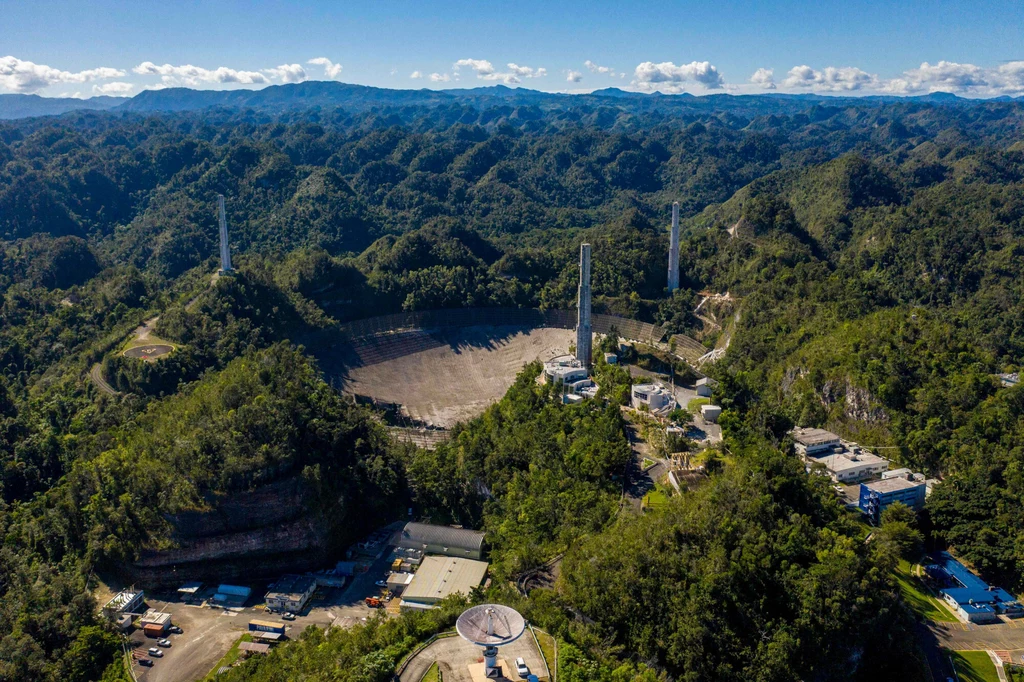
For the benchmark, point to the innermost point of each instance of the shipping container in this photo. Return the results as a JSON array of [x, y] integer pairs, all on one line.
[[266, 626]]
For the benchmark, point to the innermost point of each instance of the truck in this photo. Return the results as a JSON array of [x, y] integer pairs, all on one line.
[[373, 602]]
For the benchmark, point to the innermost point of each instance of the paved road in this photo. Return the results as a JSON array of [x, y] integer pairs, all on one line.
[[96, 374], [638, 481]]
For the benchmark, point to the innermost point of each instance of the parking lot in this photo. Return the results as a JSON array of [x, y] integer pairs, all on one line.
[[208, 633]]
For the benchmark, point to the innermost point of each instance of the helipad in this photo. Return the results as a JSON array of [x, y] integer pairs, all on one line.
[[149, 352]]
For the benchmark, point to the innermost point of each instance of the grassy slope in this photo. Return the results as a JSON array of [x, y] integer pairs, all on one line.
[[917, 597], [974, 666]]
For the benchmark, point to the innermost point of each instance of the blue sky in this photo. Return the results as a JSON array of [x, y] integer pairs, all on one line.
[[117, 47]]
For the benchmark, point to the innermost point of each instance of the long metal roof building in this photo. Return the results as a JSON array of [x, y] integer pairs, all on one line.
[[430, 539]]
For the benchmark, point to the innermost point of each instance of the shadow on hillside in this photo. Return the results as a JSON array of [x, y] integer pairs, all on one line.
[[337, 361]]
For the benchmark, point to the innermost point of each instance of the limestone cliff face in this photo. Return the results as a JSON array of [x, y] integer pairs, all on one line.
[[250, 535]]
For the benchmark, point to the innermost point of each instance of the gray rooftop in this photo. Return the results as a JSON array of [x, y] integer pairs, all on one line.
[[843, 461], [427, 534], [294, 586], [891, 485], [809, 437]]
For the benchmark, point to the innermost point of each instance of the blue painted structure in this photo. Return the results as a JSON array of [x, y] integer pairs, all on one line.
[[972, 598], [875, 496]]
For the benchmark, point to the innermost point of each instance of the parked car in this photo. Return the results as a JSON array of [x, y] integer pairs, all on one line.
[[381, 583], [521, 667], [154, 652], [147, 662], [163, 642], [175, 629], [288, 615]]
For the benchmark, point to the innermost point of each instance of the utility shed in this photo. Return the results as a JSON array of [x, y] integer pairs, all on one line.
[[254, 648], [710, 413], [439, 577], [454, 542], [705, 386], [397, 582], [154, 623]]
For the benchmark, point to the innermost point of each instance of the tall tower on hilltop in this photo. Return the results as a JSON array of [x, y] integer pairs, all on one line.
[[225, 249], [584, 334], [673, 250]]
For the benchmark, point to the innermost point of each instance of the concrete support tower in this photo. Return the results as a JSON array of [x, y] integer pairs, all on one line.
[[225, 250], [673, 250], [584, 333]]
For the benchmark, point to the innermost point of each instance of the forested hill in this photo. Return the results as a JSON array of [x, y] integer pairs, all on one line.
[[870, 250], [277, 99]]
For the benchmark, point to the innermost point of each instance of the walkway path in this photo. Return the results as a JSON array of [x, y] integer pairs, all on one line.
[[998, 663]]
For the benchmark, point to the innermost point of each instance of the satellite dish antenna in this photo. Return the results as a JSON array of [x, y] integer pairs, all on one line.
[[490, 626]]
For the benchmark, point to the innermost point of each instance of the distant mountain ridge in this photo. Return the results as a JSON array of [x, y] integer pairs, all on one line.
[[277, 98], [27, 106]]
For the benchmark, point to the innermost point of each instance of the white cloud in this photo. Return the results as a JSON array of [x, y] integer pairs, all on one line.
[[948, 77], [416, 74], [574, 76], [115, 89], [764, 78], [331, 70], [288, 73], [596, 68], [1009, 78], [830, 79], [486, 71], [668, 77], [526, 71], [18, 75], [187, 74], [440, 77]]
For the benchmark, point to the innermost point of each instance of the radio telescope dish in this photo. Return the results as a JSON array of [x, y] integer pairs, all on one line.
[[490, 625]]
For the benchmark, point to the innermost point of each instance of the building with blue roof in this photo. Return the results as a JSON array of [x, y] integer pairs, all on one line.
[[875, 496], [970, 597]]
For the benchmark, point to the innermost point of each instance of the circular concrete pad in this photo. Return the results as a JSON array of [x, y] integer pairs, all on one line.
[[149, 352]]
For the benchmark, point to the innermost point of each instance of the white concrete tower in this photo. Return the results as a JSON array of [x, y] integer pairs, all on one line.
[[584, 333], [225, 249], [673, 250]]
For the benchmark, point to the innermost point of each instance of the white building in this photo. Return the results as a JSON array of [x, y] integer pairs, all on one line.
[[808, 442], [705, 386], [710, 413], [656, 398], [290, 593], [845, 462], [848, 466], [565, 369]]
